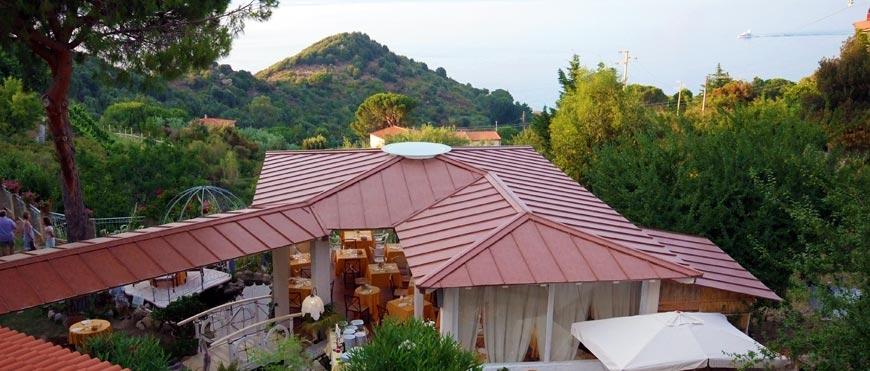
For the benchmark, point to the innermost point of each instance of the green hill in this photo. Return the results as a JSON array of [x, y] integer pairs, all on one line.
[[316, 91]]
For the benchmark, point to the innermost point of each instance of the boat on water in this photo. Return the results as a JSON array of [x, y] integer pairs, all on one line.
[[745, 35]]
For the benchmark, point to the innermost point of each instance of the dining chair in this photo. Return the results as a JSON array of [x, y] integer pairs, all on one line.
[[295, 301], [397, 291], [382, 312], [352, 304], [351, 272]]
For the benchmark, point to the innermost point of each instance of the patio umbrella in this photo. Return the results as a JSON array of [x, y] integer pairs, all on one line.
[[667, 341]]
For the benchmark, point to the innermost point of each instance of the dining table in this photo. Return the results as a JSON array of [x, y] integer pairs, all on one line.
[[403, 308], [298, 262], [393, 250], [341, 256], [369, 296], [81, 331], [301, 286], [358, 240], [378, 275]]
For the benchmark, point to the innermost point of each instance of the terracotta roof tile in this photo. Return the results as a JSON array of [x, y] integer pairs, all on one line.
[[389, 130], [23, 352], [479, 135]]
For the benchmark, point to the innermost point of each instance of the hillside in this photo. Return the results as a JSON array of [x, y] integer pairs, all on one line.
[[318, 89]]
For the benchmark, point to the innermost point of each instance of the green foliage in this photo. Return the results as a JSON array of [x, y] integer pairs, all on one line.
[[20, 111], [141, 117], [84, 123], [139, 353], [234, 366], [315, 142], [593, 110], [507, 134], [847, 79], [530, 137], [428, 133], [289, 354], [411, 345], [382, 110], [179, 310], [648, 95], [708, 180], [541, 127]]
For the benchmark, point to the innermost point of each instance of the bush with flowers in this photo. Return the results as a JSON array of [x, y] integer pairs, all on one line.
[[411, 345]]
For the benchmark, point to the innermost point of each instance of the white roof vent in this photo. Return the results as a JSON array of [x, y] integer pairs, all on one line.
[[416, 150]]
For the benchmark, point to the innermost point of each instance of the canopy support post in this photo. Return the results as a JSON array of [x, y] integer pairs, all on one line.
[[321, 268], [649, 296], [418, 303], [548, 337], [280, 280]]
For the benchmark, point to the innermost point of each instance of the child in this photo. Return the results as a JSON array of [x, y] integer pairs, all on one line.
[[28, 233], [49, 232]]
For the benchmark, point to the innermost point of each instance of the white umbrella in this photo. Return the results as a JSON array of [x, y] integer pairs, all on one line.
[[668, 341]]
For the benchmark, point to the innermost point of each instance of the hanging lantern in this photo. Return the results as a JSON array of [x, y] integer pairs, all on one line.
[[313, 305]]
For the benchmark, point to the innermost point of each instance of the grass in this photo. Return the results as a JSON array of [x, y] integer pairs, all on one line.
[[33, 322]]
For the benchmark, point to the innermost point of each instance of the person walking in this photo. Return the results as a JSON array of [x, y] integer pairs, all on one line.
[[48, 232], [7, 234], [27, 232]]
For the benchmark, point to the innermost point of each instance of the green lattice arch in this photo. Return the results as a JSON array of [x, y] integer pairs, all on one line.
[[200, 201]]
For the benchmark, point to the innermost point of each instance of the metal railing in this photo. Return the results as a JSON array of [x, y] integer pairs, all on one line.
[[221, 321], [238, 346], [110, 226]]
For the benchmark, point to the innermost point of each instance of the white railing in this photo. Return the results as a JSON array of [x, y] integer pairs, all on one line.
[[220, 321], [237, 347]]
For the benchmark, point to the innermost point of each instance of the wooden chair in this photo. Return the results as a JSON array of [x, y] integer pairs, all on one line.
[[352, 304], [295, 301], [305, 272], [404, 269], [397, 291], [351, 272], [382, 312]]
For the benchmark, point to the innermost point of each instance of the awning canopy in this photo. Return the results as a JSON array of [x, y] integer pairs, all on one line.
[[667, 341]]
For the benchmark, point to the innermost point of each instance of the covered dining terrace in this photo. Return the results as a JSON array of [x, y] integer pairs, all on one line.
[[495, 244]]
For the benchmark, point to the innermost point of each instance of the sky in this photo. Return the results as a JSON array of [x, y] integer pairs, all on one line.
[[519, 45]]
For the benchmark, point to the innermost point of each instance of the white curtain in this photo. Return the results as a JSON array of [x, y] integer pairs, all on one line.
[[571, 305], [615, 300], [469, 316], [509, 316]]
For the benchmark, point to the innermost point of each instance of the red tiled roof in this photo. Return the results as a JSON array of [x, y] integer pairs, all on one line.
[[446, 211], [720, 270], [295, 176], [21, 352], [74, 269], [216, 121], [532, 249], [389, 130], [479, 135], [862, 25]]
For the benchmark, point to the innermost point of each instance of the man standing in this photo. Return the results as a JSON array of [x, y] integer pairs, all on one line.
[[7, 234]]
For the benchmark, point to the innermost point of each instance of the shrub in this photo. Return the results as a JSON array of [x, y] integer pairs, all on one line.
[[179, 310], [135, 353], [411, 345], [289, 355]]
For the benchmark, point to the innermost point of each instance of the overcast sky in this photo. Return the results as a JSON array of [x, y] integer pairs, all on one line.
[[518, 45]]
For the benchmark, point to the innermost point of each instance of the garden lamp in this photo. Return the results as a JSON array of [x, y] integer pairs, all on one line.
[[313, 305]]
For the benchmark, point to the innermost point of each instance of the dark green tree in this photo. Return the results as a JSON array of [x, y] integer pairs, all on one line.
[[382, 110], [155, 37]]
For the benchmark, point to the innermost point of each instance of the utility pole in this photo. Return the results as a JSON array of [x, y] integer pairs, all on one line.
[[624, 64], [524, 119], [679, 96], [704, 102]]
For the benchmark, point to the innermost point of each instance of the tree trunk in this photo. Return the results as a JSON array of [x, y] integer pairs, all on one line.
[[57, 109]]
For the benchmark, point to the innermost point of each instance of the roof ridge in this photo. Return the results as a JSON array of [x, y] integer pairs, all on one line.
[[517, 203], [481, 244], [353, 180]]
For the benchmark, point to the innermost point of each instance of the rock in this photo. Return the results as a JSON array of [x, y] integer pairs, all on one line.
[[148, 322], [258, 278], [50, 315], [140, 325], [139, 314], [58, 317]]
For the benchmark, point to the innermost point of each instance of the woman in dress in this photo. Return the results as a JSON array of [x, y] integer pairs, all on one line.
[[49, 232], [28, 234]]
